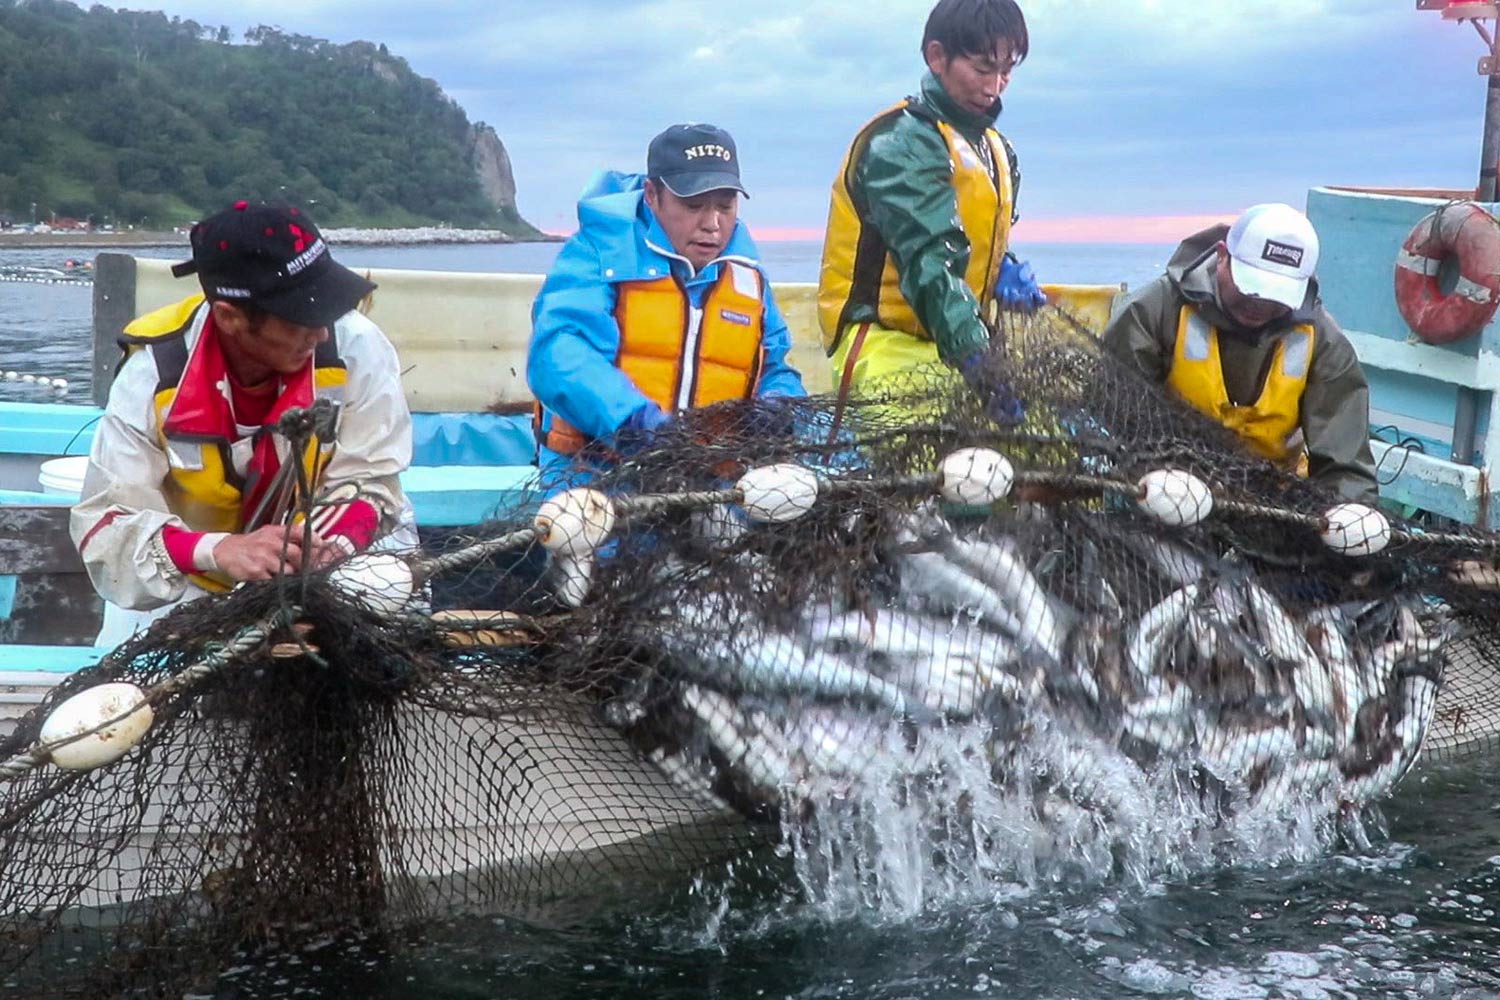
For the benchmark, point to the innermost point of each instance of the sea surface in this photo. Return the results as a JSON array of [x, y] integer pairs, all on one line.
[[1412, 915]]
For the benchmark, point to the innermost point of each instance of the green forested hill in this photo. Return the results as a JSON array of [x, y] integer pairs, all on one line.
[[135, 118]]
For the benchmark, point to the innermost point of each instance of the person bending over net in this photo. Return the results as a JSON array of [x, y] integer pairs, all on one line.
[[658, 305], [188, 491], [921, 212], [1236, 329]]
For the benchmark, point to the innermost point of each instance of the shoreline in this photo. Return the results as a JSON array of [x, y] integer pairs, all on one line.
[[426, 235]]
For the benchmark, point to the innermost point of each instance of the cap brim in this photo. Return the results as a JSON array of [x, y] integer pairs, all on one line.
[[690, 185], [1290, 292], [320, 300]]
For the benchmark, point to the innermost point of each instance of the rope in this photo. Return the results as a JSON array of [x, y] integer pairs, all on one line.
[[645, 504], [467, 556], [247, 640]]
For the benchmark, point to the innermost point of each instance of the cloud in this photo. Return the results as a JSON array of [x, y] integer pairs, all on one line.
[[1133, 107]]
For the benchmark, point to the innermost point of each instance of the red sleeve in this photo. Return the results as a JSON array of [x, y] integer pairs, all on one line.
[[356, 521], [180, 545]]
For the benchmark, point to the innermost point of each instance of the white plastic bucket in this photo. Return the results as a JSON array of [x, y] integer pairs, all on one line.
[[64, 476]]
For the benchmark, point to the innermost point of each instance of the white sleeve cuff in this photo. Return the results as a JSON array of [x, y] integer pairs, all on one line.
[[203, 552]]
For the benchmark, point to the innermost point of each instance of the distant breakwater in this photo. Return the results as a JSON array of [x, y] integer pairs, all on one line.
[[339, 237]]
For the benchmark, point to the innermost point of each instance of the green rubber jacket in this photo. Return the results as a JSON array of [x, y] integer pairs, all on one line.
[[903, 186]]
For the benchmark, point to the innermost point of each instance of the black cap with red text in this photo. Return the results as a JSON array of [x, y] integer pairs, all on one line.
[[274, 258]]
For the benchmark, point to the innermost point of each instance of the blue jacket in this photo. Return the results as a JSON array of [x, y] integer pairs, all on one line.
[[574, 338]]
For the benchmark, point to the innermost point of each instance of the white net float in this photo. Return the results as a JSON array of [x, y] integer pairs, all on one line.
[[1355, 529], [777, 493], [574, 576], [87, 711], [575, 521], [380, 581], [975, 476], [1175, 497]]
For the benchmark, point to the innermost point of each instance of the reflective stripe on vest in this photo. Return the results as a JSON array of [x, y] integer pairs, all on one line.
[[858, 270], [682, 357], [1269, 424], [202, 486]]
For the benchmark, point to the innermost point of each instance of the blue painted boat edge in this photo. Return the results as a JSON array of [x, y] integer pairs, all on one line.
[[30, 498], [61, 429], [57, 661], [452, 495], [1413, 386]]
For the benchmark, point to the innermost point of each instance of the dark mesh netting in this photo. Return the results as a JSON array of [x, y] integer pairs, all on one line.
[[1103, 641]]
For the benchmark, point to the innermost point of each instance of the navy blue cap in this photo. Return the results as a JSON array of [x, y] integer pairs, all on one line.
[[692, 159]]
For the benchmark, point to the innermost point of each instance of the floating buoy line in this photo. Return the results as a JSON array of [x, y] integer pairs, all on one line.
[[45, 276], [99, 725], [58, 386]]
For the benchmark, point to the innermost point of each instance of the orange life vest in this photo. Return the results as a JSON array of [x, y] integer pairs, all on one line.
[[682, 357]]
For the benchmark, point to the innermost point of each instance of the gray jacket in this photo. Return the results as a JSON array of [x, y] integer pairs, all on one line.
[[1335, 405]]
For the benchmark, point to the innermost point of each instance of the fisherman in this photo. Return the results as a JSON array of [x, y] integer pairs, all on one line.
[[658, 304], [921, 212], [187, 490], [1236, 329]]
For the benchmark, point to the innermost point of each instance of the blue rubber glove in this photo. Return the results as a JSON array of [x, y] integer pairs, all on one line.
[[1000, 402], [1017, 289], [772, 417], [641, 428]]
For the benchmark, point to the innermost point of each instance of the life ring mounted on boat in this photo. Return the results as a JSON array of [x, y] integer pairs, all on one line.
[[1448, 273]]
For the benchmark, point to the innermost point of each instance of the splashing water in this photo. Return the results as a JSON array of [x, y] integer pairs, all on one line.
[[950, 821]]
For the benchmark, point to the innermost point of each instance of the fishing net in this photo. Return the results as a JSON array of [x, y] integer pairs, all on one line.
[[1032, 624]]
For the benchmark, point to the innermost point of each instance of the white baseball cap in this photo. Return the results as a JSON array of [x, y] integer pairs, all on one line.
[[1273, 252]]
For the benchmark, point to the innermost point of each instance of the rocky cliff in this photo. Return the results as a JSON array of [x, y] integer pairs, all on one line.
[[492, 165]]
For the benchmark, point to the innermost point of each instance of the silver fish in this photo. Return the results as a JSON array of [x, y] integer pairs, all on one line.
[[1325, 631], [764, 763], [687, 778], [953, 682], [930, 574], [1232, 752], [1163, 717], [767, 661], [909, 633], [839, 743], [1156, 627], [890, 633], [1173, 561], [1288, 643], [1204, 635], [1001, 567], [1418, 694]]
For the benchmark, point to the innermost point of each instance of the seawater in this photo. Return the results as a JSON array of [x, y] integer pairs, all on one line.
[[1289, 912], [1412, 917]]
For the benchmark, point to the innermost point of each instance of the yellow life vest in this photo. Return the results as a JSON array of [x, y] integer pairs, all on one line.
[[679, 357], [857, 267], [202, 486], [1267, 425]]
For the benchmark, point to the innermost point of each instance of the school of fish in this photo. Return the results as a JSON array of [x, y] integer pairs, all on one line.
[[1236, 692]]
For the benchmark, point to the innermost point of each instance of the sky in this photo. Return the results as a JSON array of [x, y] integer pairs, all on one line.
[[1134, 120]]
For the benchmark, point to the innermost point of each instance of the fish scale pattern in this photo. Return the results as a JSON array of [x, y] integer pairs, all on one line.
[[1101, 639]]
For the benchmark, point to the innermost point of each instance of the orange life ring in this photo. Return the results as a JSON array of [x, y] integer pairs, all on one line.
[[1448, 273]]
